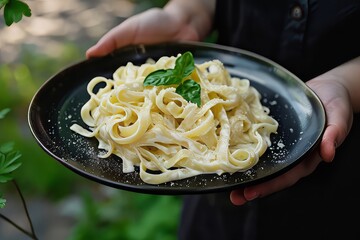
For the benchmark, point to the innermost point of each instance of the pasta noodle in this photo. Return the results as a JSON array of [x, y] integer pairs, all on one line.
[[170, 138]]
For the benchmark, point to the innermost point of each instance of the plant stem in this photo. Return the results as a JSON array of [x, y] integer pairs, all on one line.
[[17, 226], [30, 234]]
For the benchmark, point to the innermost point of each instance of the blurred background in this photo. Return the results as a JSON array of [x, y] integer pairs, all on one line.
[[62, 204]]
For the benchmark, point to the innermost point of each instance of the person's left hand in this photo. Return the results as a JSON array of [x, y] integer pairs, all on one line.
[[336, 100]]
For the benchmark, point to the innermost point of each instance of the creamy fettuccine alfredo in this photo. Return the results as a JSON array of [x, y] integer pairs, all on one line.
[[170, 138]]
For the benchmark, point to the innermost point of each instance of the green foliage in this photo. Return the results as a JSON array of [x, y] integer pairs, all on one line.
[[40, 173], [2, 201], [21, 79], [122, 215], [9, 160], [14, 10], [126, 215], [4, 112]]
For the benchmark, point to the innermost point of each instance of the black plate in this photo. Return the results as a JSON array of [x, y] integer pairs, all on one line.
[[56, 106]]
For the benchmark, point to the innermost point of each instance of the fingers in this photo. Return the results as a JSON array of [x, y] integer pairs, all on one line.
[[241, 196], [149, 27], [99, 50], [338, 114], [339, 122], [117, 37], [329, 143], [237, 197]]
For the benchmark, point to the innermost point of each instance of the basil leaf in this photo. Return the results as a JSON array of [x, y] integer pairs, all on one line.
[[190, 91], [184, 65], [162, 77], [3, 3], [14, 10]]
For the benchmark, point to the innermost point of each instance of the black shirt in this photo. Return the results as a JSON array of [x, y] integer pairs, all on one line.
[[306, 37]]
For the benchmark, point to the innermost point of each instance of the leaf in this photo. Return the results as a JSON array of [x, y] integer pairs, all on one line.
[[5, 178], [14, 10], [191, 91], [6, 147], [2, 202], [4, 112], [3, 3], [12, 157], [10, 168], [2, 159], [184, 65], [162, 77], [10, 164]]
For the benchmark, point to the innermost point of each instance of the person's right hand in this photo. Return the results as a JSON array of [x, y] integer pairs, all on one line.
[[338, 90], [152, 26]]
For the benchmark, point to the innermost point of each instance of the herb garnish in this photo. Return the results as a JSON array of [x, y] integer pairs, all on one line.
[[184, 66], [14, 10]]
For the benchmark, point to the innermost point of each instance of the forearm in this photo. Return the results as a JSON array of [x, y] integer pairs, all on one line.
[[348, 74], [198, 13]]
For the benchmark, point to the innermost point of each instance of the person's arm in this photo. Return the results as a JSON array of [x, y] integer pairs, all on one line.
[[347, 74], [338, 90], [178, 20]]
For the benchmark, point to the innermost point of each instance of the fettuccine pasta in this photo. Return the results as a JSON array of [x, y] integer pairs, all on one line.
[[169, 138]]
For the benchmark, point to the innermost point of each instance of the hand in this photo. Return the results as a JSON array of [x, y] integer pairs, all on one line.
[[152, 26], [336, 100]]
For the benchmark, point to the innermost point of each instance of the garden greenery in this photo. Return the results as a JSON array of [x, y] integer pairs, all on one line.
[[120, 215], [9, 162], [14, 10]]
